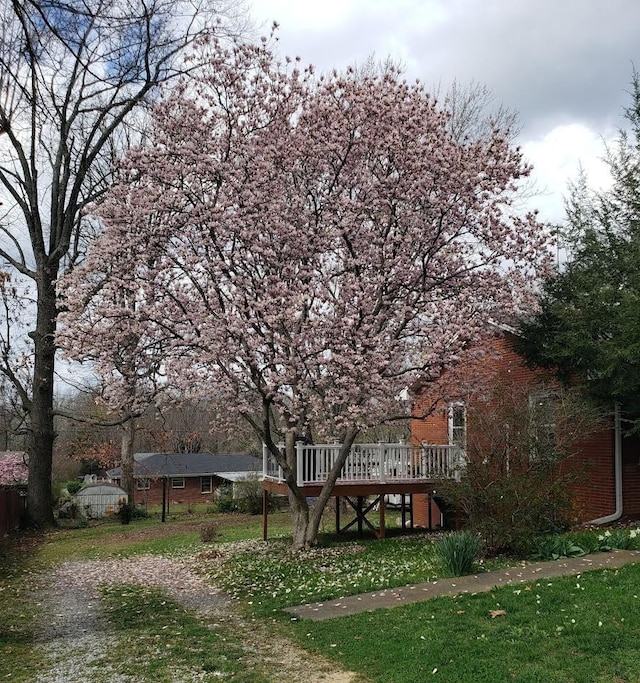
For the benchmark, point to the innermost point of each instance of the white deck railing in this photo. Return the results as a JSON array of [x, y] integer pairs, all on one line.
[[370, 463]]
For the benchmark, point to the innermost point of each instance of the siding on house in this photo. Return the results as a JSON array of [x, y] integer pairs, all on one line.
[[594, 492]]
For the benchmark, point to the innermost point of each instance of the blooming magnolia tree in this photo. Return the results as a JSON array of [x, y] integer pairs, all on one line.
[[312, 245], [13, 469]]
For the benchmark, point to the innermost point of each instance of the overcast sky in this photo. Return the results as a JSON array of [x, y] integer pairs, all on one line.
[[564, 65]]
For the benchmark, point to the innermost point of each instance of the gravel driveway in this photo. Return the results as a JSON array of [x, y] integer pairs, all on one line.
[[77, 638]]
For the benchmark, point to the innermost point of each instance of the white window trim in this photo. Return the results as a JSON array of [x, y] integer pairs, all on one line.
[[143, 484], [177, 486], [202, 481], [450, 426]]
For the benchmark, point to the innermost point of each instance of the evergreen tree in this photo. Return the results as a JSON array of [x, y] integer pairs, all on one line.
[[587, 327]]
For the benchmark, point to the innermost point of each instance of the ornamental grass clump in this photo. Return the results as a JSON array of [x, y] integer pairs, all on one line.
[[458, 552]]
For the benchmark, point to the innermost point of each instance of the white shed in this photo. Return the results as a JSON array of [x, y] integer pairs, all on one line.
[[100, 499]]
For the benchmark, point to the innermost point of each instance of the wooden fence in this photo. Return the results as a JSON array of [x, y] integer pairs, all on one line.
[[12, 507]]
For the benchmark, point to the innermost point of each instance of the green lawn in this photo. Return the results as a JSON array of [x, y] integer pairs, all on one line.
[[576, 629]]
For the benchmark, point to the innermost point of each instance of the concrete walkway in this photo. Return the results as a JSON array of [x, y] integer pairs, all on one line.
[[478, 583]]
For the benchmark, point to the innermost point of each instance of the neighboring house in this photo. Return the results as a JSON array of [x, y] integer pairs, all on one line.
[[188, 477], [609, 461]]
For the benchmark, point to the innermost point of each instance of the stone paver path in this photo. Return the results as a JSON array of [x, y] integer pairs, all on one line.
[[477, 583]]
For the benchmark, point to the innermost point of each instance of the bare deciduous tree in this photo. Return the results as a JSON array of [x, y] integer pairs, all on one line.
[[75, 78]]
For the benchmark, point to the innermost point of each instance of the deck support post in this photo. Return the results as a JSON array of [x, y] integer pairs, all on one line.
[[382, 515], [411, 512], [429, 510], [265, 508], [359, 513], [337, 514]]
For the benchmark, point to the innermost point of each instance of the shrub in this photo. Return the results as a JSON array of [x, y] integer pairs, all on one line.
[[248, 495], [458, 552], [514, 487], [125, 513], [138, 512], [225, 503], [210, 532], [73, 487]]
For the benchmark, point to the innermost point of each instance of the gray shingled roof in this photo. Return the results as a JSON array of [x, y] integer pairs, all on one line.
[[189, 464]]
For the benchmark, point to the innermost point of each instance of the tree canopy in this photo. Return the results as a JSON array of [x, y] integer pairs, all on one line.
[[311, 245], [587, 327]]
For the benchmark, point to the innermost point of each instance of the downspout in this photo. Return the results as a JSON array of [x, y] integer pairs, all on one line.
[[617, 465]]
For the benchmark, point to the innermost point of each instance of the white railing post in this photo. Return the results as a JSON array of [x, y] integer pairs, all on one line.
[[382, 462], [300, 463]]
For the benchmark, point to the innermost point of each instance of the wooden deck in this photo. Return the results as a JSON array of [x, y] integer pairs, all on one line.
[[377, 470]]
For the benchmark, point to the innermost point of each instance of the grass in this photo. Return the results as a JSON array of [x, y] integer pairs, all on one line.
[[271, 578], [570, 630], [573, 629], [160, 641]]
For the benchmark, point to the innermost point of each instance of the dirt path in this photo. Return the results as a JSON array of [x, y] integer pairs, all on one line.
[[76, 636]]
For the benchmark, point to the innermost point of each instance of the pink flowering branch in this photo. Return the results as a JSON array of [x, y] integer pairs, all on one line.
[[13, 469], [308, 247]]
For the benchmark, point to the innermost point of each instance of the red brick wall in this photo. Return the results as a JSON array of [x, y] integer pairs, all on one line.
[[631, 476], [594, 493], [421, 512], [594, 489], [189, 494]]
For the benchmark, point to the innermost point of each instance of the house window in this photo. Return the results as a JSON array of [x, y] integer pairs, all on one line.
[[143, 484], [542, 420], [206, 484], [177, 483], [458, 424]]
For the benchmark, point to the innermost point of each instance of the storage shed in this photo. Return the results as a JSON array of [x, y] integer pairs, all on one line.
[[101, 499]]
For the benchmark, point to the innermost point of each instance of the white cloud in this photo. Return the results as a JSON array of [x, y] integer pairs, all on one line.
[[557, 158], [565, 65]]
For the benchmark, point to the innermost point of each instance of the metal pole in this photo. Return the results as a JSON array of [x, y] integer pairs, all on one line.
[[265, 507], [164, 499]]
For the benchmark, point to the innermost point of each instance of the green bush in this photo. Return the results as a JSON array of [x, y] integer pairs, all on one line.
[[226, 503], [73, 487], [513, 488], [248, 495], [138, 512], [458, 552]]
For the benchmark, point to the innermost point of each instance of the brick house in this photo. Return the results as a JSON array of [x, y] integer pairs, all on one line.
[[188, 477], [609, 486]]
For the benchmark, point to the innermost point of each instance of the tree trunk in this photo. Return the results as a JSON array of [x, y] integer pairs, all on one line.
[[306, 523], [42, 431], [127, 482], [302, 539]]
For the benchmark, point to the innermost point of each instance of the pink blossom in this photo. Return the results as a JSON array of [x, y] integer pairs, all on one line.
[[307, 247], [13, 468]]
